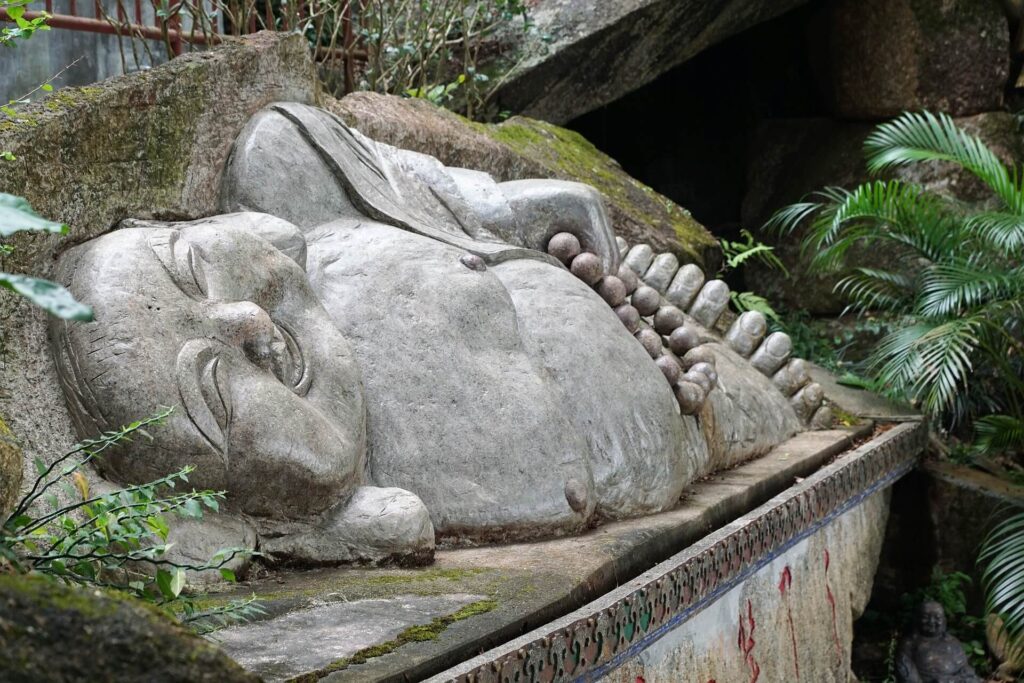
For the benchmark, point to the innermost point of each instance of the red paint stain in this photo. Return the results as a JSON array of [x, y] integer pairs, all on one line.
[[786, 583], [832, 604], [746, 642], [640, 679]]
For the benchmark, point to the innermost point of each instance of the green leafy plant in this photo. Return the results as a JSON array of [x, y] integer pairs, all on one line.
[[17, 216], [425, 48], [117, 539], [23, 28], [735, 254], [1002, 561], [958, 289]]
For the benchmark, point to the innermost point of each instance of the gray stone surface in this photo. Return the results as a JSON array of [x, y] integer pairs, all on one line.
[[374, 525], [144, 145], [685, 285], [858, 402], [411, 333], [533, 582], [312, 638], [711, 302], [617, 399], [745, 416], [212, 319], [453, 395], [930, 652], [661, 271]]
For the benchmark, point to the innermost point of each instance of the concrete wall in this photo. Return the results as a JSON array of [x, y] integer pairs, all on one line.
[[98, 56], [791, 621]]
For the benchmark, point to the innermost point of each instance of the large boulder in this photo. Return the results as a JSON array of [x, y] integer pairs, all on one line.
[[527, 148], [53, 632], [889, 56], [791, 158], [581, 54]]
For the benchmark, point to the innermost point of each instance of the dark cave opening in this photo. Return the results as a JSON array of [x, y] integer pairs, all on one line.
[[688, 133]]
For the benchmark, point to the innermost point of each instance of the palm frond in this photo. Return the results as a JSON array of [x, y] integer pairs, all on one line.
[[950, 288], [878, 211], [998, 433], [871, 288], [998, 230], [788, 218], [1002, 578], [916, 137], [928, 361]]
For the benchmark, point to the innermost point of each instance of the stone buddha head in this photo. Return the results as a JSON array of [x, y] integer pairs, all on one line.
[[216, 319]]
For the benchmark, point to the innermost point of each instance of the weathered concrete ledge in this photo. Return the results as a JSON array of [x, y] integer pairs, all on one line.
[[527, 585], [619, 629]]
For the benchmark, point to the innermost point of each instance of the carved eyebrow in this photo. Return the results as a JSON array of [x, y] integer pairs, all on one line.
[[179, 260]]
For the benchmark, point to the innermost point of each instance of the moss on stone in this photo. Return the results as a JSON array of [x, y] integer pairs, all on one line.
[[424, 575], [414, 634], [52, 631], [567, 154], [10, 469]]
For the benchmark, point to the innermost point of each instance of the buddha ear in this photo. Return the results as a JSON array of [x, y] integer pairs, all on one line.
[[288, 239]]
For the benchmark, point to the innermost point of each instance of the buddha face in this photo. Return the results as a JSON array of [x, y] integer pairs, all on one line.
[[932, 621], [216, 321]]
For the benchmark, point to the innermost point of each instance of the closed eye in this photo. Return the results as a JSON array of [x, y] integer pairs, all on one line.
[[181, 261], [298, 377]]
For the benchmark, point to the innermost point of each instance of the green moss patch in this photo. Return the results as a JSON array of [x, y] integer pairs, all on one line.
[[413, 634]]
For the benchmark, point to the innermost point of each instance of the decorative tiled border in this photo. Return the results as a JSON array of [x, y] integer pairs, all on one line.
[[601, 636]]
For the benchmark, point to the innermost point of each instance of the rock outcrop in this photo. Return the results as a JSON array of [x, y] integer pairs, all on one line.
[[885, 57], [53, 632], [527, 148], [582, 55]]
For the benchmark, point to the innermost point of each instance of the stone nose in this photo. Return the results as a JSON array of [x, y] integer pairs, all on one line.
[[243, 324]]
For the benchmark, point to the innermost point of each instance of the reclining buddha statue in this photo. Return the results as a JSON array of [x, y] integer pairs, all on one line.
[[370, 350]]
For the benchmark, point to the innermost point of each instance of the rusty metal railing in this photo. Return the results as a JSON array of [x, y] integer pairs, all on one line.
[[145, 19]]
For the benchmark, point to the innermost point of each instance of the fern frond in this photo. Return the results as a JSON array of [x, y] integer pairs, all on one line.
[[917, 137]]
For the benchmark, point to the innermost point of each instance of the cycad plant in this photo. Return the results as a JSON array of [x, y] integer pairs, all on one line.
[[957, 283], [956, 290]]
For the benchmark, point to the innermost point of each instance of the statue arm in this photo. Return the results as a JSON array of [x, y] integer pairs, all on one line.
[[527, 213], [906, 670], [546, 207]]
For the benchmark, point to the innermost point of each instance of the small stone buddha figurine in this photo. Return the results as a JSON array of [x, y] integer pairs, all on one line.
[[931, 654]]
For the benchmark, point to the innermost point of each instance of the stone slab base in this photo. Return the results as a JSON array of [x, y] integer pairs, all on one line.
[[517, 587]]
